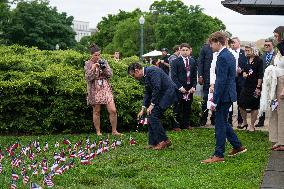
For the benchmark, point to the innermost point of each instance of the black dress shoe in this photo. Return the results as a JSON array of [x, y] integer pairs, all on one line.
[[242, 127], [259, 125]]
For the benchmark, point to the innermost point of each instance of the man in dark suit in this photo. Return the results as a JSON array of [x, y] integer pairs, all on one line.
[[165, 64], [267, 59], [160, 93], [241, 61], [184, 75], [204, 65], [223, 97]]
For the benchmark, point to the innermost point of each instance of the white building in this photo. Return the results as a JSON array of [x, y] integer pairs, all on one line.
[[81, 28]]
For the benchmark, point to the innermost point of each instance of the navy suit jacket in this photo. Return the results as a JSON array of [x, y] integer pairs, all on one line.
[[159, 88], [204, 62], [178, 73], [225, 84]]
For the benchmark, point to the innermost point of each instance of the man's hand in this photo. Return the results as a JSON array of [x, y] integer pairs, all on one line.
[[182, 90], [149, 110], [140, 114], [192, 90], [211, 89], [245, 75], [257, 92], [239, 70], [200, 80]]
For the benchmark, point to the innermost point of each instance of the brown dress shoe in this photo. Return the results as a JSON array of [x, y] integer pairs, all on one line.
[[161, 145], [213, 159], [279, 148], [177, 129], [234, 152]]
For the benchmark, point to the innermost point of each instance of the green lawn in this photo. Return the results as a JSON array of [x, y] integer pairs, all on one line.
[[176, 167]]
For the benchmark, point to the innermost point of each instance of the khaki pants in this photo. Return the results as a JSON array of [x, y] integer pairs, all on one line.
[[276, 121]]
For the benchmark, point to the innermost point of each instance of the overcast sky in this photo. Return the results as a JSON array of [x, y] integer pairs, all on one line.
[[247, 28]]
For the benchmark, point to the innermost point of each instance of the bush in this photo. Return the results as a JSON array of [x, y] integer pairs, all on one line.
[[45, 92]]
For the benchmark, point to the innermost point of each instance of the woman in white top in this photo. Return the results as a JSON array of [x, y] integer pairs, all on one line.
[[276, 121]]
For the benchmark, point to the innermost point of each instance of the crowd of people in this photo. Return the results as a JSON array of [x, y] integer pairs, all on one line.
[[227, 74]]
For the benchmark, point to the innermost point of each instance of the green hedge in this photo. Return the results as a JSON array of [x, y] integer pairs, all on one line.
[[45, 92]]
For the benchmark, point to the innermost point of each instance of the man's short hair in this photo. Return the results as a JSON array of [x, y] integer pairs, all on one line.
[[176, 48], [218, 37], [94, 48], [236, 38], [132, 67], [269, 40], [185, 45]]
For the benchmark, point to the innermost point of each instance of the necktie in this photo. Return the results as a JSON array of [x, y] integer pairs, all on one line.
[[268, 59], [187, 71]]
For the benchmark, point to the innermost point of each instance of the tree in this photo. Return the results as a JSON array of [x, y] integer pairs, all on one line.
[[84, 44], [168, 23], [178, 24], [107, 27], [35, 23], [4, 16]]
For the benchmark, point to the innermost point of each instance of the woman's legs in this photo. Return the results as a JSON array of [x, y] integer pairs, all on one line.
[[254, 114], [112, 117], [96, 118], [244, 116]]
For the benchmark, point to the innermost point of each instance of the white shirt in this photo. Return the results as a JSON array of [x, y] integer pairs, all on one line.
[[212, 68], [236, 54]]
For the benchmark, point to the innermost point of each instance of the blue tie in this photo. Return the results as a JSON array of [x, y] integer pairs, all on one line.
[[268, 59]]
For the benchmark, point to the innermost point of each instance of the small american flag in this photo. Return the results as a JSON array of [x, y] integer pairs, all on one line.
[[66, 141], [34, 165], [79, 143], [1, 168], [62, 156], [100, 147], [84, 161], [1, 155], [35, 172], [113, 145], [56, 145], [47, 181], [54, 166], [35, 186], [13, 185], [31, 155], [26, 179], [24, 170], [93, 145], [14, 175], [45, 148], [132, 141], [56, 156], [73, 154], [80, 152]]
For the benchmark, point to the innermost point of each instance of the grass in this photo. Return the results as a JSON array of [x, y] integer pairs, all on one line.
[[176, 167]]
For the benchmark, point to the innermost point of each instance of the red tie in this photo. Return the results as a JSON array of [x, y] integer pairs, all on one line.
[[187, 71]]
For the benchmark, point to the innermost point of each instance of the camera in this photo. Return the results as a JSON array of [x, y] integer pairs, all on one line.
[[102, 64]]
